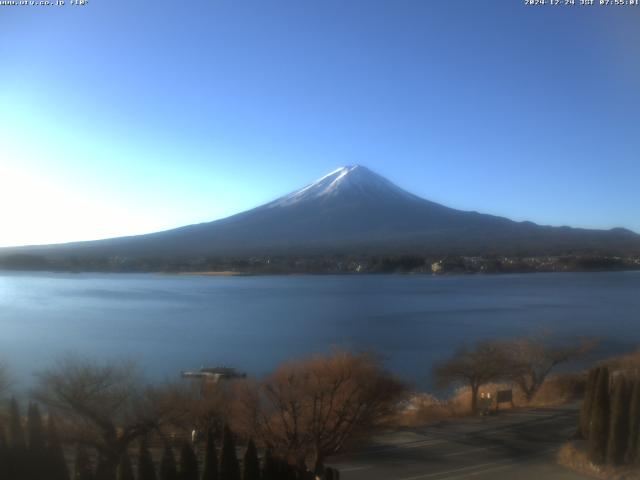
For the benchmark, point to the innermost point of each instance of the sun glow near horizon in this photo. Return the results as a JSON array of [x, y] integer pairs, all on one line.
[[41, 203], [68, 187], [41, 210]]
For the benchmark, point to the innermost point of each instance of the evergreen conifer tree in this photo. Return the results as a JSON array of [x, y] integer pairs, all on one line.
[[105, 469], [125, 470], [280, 469], [82, 469], [319, 468], [587, 403], [599, 430], [4, 455], [210, 471], [188, 463], [229, 466], [37, 449], [17, 448], [269, 469], [619, 423], [633, 455], [168, 469], [16, 433], [56, 462], [250, 462], [286, 470], [35, 430], [146, 469]]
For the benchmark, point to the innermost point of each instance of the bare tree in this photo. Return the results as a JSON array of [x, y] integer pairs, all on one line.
[[102, 406], [202, 410], [530, 360], [486, 362], [310, 409]]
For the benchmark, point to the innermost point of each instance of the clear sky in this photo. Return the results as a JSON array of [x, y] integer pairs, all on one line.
[[123, 117]]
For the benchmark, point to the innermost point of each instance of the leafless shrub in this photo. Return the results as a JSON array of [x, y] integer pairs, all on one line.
[[531, 360], [196, 408], [310, 409], [103, 406], [486, 362]]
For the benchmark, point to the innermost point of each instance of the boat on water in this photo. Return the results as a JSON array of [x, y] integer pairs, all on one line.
[[214, 373]]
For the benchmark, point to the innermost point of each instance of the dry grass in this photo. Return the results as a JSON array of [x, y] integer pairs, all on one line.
[[629, 362], [572, 455], [426, 408], [560, 389]]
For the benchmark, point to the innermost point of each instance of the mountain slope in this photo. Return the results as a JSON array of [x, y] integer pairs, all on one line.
[[353, 210]]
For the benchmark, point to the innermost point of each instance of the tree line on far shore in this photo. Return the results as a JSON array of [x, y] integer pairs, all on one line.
[[331, 263]]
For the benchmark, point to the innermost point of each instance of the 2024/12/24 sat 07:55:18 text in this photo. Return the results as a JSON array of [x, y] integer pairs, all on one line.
[[583, 3]]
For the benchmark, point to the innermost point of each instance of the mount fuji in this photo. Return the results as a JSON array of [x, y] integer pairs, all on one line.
[[351, 210]]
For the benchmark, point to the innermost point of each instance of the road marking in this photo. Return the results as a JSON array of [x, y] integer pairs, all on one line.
[[446, 472], [407, 446], [498, 467], [421, 444], [499, 429], [492, 466], [511, 428], [480, 472], [528, 414], [464, 452], [354, 469], [458, 435]]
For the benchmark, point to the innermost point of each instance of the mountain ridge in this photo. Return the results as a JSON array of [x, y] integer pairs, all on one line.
[[351, 210]]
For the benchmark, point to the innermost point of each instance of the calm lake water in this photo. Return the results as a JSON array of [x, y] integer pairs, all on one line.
[[171, 323]]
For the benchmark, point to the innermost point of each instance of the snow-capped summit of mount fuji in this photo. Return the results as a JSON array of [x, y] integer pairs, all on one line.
[[351, 180]]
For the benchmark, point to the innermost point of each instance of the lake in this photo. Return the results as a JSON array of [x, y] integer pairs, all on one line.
[[169, 323]]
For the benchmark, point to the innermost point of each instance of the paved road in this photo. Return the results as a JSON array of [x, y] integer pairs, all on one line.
[[510, 445]]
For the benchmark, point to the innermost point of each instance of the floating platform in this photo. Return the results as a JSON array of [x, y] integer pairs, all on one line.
[[215, 374]]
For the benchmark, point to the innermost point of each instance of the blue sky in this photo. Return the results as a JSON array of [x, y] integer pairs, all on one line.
[[129, 117]]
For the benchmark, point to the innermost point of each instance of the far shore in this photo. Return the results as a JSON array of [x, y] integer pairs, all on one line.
[[221, 273]]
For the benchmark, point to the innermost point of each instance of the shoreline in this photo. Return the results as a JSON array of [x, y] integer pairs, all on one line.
[[233, 273], [212, 273]]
